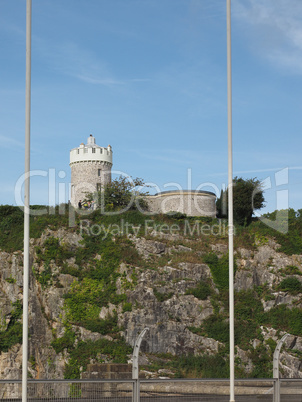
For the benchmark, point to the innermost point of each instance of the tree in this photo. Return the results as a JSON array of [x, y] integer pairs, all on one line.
[[123, 193], [247, 197]]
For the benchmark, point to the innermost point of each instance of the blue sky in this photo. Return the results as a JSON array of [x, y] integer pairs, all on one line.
[[149, 78]]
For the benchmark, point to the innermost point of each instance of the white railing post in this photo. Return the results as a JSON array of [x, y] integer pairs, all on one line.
[[135, 366]]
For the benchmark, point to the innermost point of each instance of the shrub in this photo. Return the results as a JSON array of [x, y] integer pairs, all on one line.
[[65, 342], [45, 277], [162, 296], [127, 307], [206, 366], [219, 268], [291, 285], [284, 318], [13, 332], [106, 326], [217, 327], [11, 228], [82, 354], [202, 290]]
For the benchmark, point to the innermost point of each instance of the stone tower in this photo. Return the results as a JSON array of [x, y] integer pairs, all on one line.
[[90, 169]]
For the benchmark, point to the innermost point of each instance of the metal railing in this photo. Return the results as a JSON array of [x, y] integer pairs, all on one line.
[[156, 390]]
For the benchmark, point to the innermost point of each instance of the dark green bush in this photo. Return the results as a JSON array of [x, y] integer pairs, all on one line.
[[104, 327], [13, 332], [127, 307], [162, 296], [10, 337], [217, 327], [291, 285], [11, 228], [65, 342], [219, 268], [281, 317], [202, 290]]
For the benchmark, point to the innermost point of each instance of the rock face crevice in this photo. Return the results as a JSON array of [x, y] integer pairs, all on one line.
[[159, 297]]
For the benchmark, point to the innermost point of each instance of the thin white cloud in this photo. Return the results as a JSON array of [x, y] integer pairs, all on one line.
[[277, 29], [70, 59], [13, 144], [9, 142]]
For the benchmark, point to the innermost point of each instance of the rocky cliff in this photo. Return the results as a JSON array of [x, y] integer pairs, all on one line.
[[91, 295]]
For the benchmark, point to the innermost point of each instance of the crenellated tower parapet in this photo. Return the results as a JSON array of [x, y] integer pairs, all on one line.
[[90, 169]]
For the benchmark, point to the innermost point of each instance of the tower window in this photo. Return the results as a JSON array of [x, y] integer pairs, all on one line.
[[98, 186], [85, 150], [101, 150], [93, 150], [99, 172], [78, 151]]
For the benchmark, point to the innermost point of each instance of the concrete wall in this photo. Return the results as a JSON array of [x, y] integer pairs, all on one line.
[[200, 203]]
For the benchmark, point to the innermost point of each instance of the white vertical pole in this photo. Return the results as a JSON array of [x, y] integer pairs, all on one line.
[[230, 206], [26, 201]]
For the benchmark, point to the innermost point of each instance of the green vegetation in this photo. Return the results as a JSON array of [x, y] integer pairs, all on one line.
[[290, 240], [291, 285], [205, 365], [65, 342], [12, 223], [219, 269], [83, 352], [247, 197], [249, 316], [98, 272], [122, 193], [201, 291], [282, 317], [13, 333], [127, 307], [190, 366], [45, 277], [10, 280], [162, 296], [291, 270], [11, 228], [80, 353], [53, 251]]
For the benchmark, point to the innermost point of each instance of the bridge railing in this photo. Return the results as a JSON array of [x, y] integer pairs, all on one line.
[[152, 390]]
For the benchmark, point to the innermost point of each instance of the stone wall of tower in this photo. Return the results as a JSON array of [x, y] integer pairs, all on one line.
[[88, 176]]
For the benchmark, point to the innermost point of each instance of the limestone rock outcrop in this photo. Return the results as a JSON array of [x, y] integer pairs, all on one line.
[[159, 299]]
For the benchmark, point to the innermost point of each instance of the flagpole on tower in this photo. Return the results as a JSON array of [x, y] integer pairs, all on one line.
[[230, 205], [26, 201]]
